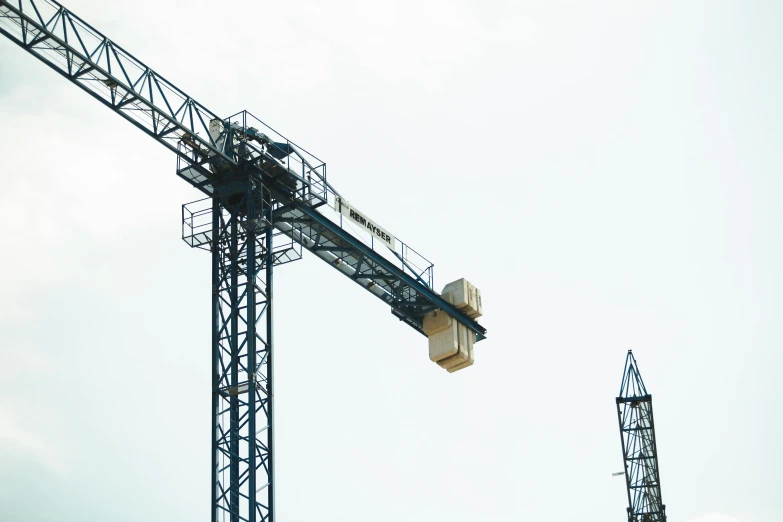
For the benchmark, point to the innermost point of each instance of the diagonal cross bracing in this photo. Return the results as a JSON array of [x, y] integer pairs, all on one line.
[[640, 454], [280, 188], [242, 396], [107, 72]]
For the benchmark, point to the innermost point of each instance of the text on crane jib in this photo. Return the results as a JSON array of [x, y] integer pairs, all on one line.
[[370, 226]]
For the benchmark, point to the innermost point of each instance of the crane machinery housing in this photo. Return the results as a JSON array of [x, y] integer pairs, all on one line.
[[640, 453], [266, 199]]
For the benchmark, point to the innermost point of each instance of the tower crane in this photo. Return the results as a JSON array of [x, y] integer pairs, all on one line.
[[266, 199], [640, 454]]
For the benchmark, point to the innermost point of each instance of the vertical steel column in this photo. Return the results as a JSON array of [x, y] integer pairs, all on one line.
[[241, 341], [270, 263], [233, 431], [251, 347], [214, 247]]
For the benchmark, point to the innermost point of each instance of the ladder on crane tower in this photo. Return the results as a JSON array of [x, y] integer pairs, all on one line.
[[266, 199]]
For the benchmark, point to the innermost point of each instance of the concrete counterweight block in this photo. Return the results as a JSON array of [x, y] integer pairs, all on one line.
[[464, 296], [461, 359], [469, 362], [436, 321], [451, 343], [445, 343]]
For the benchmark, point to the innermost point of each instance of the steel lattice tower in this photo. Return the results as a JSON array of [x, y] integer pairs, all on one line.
[[242, 428], [267, 200], [640, 454]]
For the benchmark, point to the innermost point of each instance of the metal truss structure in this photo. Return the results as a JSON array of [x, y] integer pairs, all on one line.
[[267, 200], [640, 454], [242, 398]]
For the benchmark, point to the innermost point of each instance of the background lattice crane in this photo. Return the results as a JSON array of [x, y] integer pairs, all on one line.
[[640, 454], [266, 200]]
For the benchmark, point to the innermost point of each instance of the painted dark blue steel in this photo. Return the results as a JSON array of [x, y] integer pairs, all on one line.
[[107, 72], [133, 90], [640, 453], [256, 195], [242, 392], [407, 296]]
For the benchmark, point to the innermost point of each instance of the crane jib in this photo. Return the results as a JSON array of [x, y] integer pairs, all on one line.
[[76, 50], [83, 55], [425, 296], [258, 188]]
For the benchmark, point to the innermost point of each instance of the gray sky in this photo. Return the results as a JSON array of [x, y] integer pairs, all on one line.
[[607, 173]]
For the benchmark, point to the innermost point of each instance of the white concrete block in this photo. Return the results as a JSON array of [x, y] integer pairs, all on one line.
[[444, 343], [436, 321], [470, 360], [464, 296], [463, 349]]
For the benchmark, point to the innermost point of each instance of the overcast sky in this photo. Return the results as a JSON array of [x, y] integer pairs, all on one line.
[[606, 172]]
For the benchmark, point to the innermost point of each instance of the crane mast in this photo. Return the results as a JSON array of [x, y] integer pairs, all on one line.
[[640, 453], [267, 199]]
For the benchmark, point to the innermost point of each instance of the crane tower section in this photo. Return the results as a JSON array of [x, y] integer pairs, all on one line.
[[640, 453], [267, 200]]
